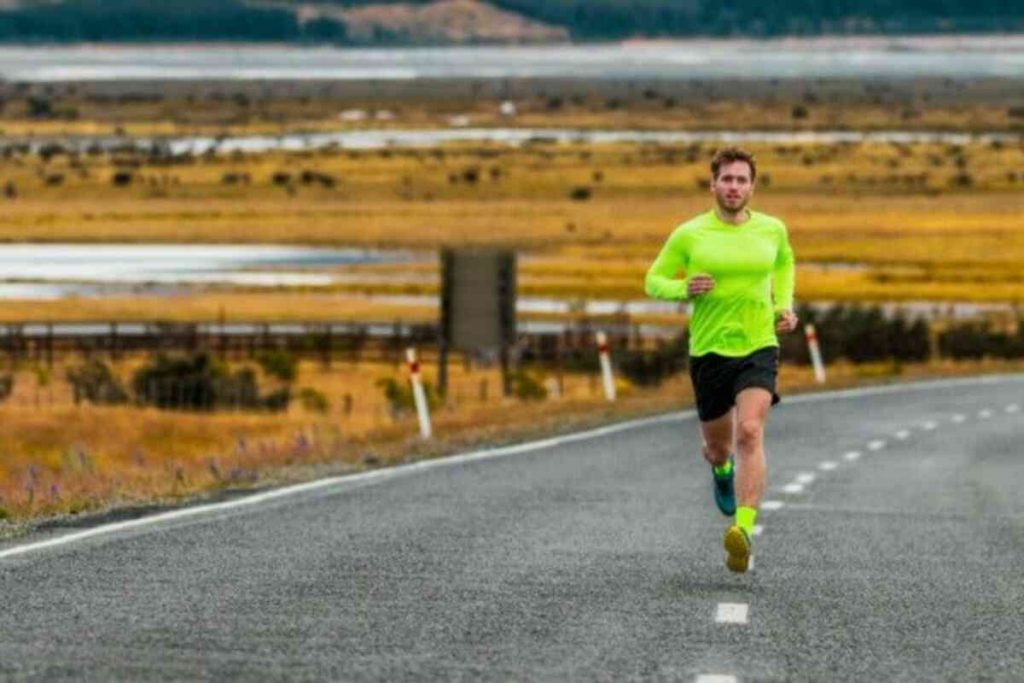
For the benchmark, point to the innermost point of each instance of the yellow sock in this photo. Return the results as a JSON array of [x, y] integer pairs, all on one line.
[[724, 470], [745, 519]]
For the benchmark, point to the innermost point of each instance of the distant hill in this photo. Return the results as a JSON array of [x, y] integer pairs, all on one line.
[[440, 22], [415, 22]]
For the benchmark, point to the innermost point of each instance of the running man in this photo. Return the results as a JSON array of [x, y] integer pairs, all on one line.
[[737, 269]]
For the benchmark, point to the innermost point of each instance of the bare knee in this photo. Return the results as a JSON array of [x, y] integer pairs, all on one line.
[[749, 434]]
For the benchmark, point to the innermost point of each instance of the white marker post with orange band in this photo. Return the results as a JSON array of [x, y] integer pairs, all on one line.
[[606, 366], [419, 396], [815, 349]]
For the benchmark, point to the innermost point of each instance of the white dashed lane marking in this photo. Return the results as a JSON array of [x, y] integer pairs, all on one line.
[[984, 414], [758, 530], [716, 678], [929, 425], [732, 613], [804, 478], [851, 455], [902, 434], [772, 505], [827, 466], [793, 488], [876, 445], [1012, 408], [958, 418]]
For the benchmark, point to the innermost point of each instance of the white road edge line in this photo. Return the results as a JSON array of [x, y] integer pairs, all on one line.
[[732, 613], [401, 470]]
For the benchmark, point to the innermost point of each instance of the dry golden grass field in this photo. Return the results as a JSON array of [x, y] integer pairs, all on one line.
[[869, 222]]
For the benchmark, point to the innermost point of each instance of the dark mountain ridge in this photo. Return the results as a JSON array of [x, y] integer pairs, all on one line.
[[383, 22]]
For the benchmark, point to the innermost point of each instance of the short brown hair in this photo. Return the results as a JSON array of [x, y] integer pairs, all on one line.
[[728, 155]]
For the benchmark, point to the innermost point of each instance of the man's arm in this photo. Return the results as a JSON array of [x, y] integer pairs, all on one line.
[[784, 277], [662, 281]]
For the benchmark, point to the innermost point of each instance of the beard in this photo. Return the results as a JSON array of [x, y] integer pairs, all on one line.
[[736, 206]]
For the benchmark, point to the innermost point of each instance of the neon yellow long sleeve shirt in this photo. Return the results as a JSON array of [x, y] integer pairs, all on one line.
[[752, 265]]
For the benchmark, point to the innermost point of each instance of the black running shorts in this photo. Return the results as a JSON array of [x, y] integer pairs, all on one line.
[[717, 379]]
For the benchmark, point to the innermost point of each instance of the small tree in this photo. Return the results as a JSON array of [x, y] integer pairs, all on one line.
[[201, 382], [93, 381], [279, 364], [651, 367], [314, 401], [581, 193], [400, 398], [526, 386], [6, 386]]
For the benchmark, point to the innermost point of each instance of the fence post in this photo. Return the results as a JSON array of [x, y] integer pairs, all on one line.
[[49, 345], [419, 396], [112, 349], [606, 366], [934, 348], [815, 349], [328, 346]]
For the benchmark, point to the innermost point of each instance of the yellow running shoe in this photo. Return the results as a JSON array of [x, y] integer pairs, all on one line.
[[738, 548]]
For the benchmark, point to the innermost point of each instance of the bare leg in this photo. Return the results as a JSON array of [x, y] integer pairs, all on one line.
[[752, 407], [718, 438]]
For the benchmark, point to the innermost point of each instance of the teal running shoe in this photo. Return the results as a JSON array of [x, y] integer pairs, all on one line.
[[725, 495]]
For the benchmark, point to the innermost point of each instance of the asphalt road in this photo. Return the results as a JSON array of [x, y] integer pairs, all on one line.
[[588, 558]]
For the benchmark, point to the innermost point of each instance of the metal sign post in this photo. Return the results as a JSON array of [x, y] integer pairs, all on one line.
[[478, 306]]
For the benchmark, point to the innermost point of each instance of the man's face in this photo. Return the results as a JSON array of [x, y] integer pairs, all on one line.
[[733, 187]]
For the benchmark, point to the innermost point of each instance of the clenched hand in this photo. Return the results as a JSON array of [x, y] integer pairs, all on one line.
[[785, 321], [699, 284]]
